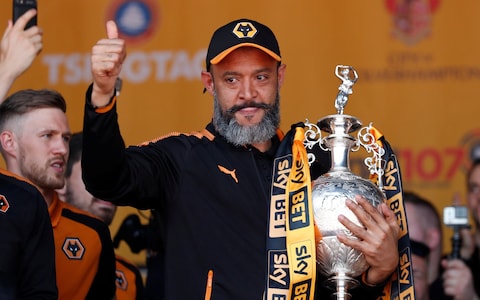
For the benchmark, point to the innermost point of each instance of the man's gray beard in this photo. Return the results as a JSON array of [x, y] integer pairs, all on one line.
[[226, 124]]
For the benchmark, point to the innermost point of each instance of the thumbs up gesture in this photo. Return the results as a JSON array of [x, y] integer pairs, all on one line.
[[106, 63]]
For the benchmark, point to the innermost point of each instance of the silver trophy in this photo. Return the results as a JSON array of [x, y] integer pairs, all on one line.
[[338, 262]]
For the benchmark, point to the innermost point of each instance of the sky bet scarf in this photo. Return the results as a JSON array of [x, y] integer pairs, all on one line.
[[400, 285], [291, 258], [291, 263]]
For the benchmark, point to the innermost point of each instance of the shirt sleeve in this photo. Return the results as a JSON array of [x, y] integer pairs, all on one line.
[[135, 176]]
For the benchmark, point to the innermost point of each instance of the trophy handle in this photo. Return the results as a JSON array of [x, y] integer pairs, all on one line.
[[375, 163], [313, 136]]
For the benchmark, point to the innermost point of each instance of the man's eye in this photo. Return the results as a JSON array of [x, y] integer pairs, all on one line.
[[475, 189], [262, 77]]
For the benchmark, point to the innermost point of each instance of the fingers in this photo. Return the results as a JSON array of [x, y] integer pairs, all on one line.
[[107, 58], [23, 20], [9, 28], [376, 237], [108, 54], [37, 42], [111, 51], [359, 232], [112, 30], [457, 279], [19, 47], [33, 33], [374, 220], [368, 212], [390, 218], [468, 239]]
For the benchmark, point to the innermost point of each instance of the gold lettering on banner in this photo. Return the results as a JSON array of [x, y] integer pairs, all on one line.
[[302, 260], [298, 208], [278, 212], [282, 174], [391, 174], [301, 292], [299, 172], [408, 294], [302, 257], [281, 268], [277, 226], [396, 205], [404, 269]]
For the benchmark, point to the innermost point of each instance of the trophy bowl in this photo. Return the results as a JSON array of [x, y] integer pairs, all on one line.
[[336, 261]]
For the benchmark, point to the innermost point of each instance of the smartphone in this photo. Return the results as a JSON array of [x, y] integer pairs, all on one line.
[[20, 7]]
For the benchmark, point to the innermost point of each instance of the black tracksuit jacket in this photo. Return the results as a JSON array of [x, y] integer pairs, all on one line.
[[213, 197]]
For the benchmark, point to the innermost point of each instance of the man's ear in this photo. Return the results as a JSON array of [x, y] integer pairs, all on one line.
[[207, 80], [281, 74], [8, 143]]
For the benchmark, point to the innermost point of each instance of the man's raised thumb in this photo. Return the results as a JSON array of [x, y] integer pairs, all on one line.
[[112, 30]]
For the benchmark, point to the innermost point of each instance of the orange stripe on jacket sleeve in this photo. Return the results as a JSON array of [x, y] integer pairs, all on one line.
[[208, 289], [107, 107]]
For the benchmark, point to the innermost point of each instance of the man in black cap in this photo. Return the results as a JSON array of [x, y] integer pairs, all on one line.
[[213, 187]]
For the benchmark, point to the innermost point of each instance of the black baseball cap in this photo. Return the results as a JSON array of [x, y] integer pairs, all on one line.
[[241, 33]]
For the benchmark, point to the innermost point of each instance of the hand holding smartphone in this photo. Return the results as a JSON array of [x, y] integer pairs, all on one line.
[[20, 7]]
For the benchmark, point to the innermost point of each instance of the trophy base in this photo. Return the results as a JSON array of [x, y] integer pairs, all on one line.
[[341, 283]]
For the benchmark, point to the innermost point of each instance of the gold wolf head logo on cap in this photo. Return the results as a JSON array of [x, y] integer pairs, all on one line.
[[245, 30]]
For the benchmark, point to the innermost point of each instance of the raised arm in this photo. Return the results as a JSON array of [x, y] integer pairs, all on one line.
[[18, 49], [103, 157]]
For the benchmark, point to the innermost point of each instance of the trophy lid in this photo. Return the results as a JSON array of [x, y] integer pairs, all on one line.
[[340, 124]]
